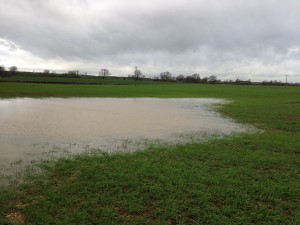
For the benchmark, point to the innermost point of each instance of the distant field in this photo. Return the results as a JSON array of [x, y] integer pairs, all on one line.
[[71, 80], [259, 105], [243, 179]]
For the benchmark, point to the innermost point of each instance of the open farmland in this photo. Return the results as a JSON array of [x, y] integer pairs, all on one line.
[[242, 179]]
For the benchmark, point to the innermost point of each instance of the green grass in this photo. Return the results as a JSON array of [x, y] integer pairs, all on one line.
[[242, 179], [31, 78]]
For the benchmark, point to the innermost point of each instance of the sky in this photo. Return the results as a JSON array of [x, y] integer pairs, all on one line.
[[232, 39]]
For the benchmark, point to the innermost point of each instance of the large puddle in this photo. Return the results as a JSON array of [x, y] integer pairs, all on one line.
[[32, 128]]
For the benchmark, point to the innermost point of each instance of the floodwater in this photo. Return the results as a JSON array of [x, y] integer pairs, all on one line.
[[31, 128]]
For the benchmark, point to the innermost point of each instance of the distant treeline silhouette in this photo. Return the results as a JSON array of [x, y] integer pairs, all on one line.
[[164, 76]]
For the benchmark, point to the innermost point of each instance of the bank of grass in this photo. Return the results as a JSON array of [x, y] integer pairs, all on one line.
[[31, 78], [242, 179]]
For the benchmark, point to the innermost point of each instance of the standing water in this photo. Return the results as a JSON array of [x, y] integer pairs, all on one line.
[[30, 128]]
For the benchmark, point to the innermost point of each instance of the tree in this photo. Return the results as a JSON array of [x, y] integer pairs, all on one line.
[[74, 72], [212, 79], [2, 69], [13, 69], [195, 78], [46, 71], [137, 74], [165, 76], [180, 77], [204, 80], [104, 73]]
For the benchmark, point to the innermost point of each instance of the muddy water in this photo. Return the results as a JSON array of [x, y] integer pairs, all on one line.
[[30, 128]]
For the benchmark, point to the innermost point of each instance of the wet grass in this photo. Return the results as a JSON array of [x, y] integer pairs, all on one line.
[[242, 179], [40, 78]]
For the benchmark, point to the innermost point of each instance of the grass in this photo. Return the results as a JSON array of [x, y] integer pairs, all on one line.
[[242, 179], [40, 78]]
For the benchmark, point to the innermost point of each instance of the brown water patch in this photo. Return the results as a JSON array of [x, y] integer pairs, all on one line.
[[35, 128]]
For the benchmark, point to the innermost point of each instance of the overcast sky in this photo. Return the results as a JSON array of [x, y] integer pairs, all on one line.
[[234, 39]]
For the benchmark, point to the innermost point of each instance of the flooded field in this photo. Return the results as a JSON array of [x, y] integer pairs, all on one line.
[[34, 128]]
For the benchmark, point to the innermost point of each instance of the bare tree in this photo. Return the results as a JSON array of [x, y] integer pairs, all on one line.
[[137, 74], [180, 77], [74, 72], [2, 69], [204, 80], [165, 76], [212, 79], [196, 77], [104, 73], [13, 69], [46, 71]]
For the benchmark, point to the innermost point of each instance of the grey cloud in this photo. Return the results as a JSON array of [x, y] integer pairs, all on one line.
[[8, 44], [191, 33]]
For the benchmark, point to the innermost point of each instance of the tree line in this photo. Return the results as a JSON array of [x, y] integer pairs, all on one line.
[[138, 75], [12, 69]]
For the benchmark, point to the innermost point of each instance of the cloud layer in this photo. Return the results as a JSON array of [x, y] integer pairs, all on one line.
[[232, 38]]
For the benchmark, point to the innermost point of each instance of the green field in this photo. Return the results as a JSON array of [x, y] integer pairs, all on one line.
[[40, 78], [242, 179]]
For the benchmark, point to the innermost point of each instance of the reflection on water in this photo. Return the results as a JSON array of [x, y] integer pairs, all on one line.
[[32, 127]]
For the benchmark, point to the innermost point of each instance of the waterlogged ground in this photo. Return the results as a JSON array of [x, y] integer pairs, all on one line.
[[36, 128]]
